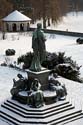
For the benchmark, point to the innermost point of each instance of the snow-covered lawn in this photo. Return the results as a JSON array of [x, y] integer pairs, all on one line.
[[22, 43], [70, 22]]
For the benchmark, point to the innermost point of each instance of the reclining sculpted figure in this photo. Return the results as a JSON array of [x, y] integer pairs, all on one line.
[[55, 85], [19, 85]]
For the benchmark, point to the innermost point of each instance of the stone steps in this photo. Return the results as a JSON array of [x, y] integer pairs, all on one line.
[[54, 114], [63, 115], [76, 117], [9, 120], [16, 119], [42, 109], [38, 116], [66, 119], [35, 114]]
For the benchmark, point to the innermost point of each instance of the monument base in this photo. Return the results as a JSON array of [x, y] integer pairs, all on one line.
[[42, 76], [59, 113]]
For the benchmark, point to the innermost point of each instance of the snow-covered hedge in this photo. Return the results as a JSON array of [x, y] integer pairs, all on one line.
[[55, 61], [79, 41], [10, 52]]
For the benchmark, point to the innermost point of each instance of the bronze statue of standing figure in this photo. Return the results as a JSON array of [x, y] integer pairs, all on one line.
[[39, 49]]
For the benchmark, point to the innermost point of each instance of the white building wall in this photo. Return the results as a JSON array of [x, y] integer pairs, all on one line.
[[10, 26]]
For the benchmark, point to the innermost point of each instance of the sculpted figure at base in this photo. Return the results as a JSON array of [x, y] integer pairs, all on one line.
[[36, 98], [39, 49], [55, 85], [19, 85]]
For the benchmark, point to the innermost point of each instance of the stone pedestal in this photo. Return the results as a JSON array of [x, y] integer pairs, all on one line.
[[42, 76]]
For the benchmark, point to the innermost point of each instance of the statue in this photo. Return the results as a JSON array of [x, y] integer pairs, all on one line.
[[36, 98], [32, 96], [28, 91], [39, 49], [55, 85], [60, 90], [19, 85]]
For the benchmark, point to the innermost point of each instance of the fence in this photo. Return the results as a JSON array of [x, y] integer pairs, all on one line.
[[67, 33]]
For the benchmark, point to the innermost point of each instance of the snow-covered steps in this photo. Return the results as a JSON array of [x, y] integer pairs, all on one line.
[[69, 117], [35, 114], [57, 113], [42, 109], [72, 118]]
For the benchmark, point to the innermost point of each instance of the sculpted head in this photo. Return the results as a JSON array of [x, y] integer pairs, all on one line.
[[39, 25]]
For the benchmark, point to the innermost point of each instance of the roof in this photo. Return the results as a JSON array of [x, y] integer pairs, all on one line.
[[16, 16]]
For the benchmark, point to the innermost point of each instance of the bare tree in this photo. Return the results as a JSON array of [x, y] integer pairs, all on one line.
[[5, 7], [48, 10]]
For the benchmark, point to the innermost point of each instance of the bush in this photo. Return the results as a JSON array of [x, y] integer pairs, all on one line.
[[26, 59], [54, 59], [10, 52], [3, 64], [68, 71], [51, 60], [63, 65], [79, 41]]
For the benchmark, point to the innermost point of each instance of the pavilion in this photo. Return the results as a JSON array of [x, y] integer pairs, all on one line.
[[16, 21]]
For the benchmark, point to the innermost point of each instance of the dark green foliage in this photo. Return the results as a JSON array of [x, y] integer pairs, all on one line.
[[61, 58], [51, 60], [79, 41], [66, 66], [10, 52], [54, 59], [68, 71], [26, 59]]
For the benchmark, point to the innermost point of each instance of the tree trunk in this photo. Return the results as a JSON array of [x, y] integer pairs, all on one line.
[[48, 21], [44, 23]]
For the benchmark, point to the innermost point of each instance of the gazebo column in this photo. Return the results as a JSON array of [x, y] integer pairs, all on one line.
[[10, 27], [4, 27], [25, 26], [7, 26], [28, 25], [18, 26]]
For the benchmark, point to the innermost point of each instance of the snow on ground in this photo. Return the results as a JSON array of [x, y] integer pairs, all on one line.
[[70, 22], [6, 81], [3, 122], [68, 45], [21, 42]]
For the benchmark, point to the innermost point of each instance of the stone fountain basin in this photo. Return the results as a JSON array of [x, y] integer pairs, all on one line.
[[49, 96]]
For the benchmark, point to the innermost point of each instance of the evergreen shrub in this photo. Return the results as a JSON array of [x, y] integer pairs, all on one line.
[[62, 64]]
